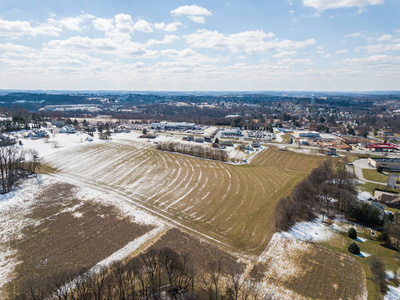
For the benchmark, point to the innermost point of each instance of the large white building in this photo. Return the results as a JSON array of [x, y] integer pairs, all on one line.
[[232, 132], [306, 134], [164, 125]]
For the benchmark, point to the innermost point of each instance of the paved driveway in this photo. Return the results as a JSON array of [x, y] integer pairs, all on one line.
[[360, 164]]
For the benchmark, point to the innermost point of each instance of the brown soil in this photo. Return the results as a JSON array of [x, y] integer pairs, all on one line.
[[61, 242], [201, 253]]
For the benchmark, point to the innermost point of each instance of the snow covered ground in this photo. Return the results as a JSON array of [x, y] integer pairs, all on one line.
[[364, 196], [14, 206], [393, 293], [313, 231]]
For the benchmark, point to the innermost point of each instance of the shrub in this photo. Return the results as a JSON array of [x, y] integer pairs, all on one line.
[[352, 233], [377, 268], [353, 248], [365, 213]]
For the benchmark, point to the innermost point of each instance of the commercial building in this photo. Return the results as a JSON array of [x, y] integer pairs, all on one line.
[[229, 132], [175, 126]]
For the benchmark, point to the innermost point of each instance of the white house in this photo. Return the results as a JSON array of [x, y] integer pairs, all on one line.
[[67, 129]]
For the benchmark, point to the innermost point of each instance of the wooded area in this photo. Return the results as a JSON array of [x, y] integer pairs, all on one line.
[[194, 150], [156, 274], [15, 164]]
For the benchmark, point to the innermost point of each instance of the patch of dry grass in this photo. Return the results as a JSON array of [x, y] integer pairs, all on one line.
[[313, 271]]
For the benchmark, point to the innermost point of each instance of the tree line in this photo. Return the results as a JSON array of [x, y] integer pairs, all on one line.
[[194, 150], [15, 164], [156, 274], [324, 191]]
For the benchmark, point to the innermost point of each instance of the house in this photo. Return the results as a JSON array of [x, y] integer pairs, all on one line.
[[255, 144], [249, 148], [380, 207], [58, 122], [227, 144], [67, 129], [391, 200], [199, 140], [6, 141], [37, 134], [208, 140], [385, 134]]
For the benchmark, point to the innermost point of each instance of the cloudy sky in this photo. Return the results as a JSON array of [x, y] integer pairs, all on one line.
[[319, 45]]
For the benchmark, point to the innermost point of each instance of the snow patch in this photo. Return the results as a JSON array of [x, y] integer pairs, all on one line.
[[313, 231], [364, 254], [393, 293], [130, 210], [364, 196], [361, 240], [14, 206], [389, 274], [77, 215]]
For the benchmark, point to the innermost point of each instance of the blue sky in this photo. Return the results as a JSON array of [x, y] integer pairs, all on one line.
[[319, 45]]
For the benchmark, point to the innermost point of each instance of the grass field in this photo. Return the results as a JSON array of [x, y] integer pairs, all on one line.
[[374, 175], [371, 187], [234, 204], [309, 271], [340, 243]]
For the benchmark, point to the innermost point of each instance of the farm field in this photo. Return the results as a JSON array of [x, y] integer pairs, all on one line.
[[233, 204], [49, 232]]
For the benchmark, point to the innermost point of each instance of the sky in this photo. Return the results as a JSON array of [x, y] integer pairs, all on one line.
[[254, 45]]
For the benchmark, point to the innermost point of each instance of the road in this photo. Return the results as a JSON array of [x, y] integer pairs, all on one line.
[[360, 164]]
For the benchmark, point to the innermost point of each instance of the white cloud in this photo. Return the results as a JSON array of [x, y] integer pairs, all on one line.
[[356, 34], [375, 61], [381, 48], [103, 24], [194, 12], [291, 61], [104, 46], [190, 56], [385, 38], [334, 4], [74, 23], [285, 54], [142, 26], [191, 10], [120, 27], [341, 51], [14, 48], [167, 27], [19, 28], [168, 39], [249, 41], [124, 23], [197, 19]]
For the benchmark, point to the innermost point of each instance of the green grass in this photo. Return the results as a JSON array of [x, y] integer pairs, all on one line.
[[374, 175], [371, 187], [340, 243]]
